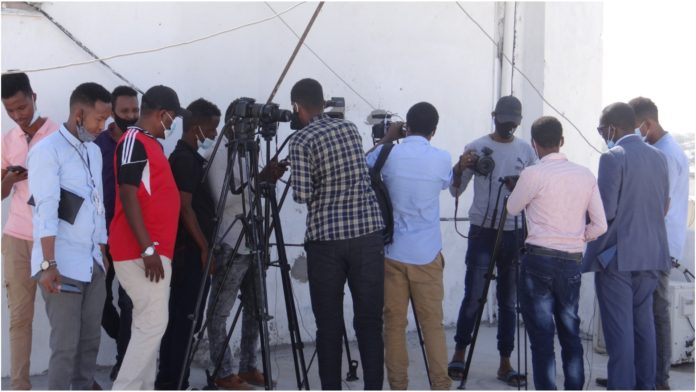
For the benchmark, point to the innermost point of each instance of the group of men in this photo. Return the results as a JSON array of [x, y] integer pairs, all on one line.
[[91, 203], [160, 218]]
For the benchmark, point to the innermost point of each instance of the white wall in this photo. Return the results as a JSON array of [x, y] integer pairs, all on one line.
[[394, 54]]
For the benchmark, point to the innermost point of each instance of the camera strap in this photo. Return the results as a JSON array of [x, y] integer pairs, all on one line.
[[382, 157]]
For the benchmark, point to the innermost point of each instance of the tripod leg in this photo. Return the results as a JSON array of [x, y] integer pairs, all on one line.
[[484, 295], [293, 323], [352, 374], [422, 342]]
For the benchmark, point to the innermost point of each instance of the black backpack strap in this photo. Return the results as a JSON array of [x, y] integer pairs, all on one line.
[[382, 158]]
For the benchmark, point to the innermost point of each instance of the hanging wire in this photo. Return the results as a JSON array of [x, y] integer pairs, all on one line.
[[531, 84], [82, 46], [322, 60], [153, 50], [514, 46]]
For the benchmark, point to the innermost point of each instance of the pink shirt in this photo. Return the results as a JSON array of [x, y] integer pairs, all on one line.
[[556, 195], [14, 153]]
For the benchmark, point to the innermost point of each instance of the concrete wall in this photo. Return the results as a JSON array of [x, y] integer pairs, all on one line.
[[393, 54]]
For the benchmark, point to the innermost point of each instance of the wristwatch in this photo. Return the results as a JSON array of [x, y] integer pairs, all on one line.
[[46, 264], [149, 251]]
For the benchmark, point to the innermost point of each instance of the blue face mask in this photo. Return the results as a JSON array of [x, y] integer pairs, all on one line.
[[205, 144], [637, 132], [169, 131]]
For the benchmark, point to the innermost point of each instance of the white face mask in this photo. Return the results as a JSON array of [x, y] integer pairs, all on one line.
[[169, 131], [84, 135], [205, 144]]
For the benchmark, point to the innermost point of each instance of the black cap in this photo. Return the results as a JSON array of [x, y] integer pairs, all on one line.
[[163, 97], [508, 109]]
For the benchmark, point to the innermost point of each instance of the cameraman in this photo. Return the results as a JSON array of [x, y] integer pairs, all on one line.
[[343, 238], [415, 173], [510, 155]]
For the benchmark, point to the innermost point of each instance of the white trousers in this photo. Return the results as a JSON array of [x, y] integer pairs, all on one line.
[[150, 318]]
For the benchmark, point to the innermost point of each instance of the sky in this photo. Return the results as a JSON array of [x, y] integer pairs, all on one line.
[[650, 50]]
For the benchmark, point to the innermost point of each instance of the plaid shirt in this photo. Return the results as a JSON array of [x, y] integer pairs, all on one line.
[[330, 174]]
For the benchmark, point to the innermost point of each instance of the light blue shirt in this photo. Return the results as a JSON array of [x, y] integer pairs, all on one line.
[[62, 161], [678, 169], [415, 173]]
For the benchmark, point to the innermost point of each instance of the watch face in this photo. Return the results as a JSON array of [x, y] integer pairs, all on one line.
[[44, 265]]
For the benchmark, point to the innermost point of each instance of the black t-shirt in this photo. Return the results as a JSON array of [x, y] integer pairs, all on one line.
[[188, 168]]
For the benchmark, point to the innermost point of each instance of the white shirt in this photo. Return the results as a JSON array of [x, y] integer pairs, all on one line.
[[61, 161], [233, 203], [678, 169]]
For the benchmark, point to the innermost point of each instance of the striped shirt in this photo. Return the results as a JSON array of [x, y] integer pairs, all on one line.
[[330, 174]]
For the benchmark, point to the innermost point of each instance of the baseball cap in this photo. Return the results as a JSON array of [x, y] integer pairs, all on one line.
[[163, 97], [508, 109]]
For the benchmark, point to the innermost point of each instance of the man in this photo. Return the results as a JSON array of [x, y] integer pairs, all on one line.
[[510, 155], [20, 103], [143, 231], [557, 195], [125, 114], [224, 292], [343, 238], [196, 224], [675, 222], [627, 259], [68, 256], [414, 173]]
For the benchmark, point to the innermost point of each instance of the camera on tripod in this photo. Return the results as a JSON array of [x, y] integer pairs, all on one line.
[[381, 120], [338, 107], [484, 164], [246, 115]]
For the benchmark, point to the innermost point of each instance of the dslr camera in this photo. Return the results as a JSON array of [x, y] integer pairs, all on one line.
[[484, 164], [381, 120]]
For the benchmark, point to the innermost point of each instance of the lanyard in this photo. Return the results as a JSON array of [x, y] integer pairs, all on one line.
[[87, 164]]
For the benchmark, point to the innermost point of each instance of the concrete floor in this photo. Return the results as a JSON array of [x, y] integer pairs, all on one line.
[[481, 376]]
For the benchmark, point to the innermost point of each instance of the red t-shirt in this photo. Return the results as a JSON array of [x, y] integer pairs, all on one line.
[[140, 161]]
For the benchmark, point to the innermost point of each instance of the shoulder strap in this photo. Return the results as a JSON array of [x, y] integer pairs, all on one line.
[[382, 158]]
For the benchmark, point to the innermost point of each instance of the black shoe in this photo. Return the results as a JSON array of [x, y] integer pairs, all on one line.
[[602, 382], [114, 372]]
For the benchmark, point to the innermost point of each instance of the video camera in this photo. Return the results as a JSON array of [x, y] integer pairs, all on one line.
[[338, 107], [381, 120], [266, 113], [244, 116]]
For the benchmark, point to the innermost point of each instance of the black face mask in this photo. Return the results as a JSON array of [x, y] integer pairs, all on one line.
[[122, 123], [505, 130], [295, 123]]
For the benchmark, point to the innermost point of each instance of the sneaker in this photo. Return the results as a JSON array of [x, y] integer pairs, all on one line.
[[253, 377], [233, 382]]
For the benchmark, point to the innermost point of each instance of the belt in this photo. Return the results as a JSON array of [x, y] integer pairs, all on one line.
[[542, 251]]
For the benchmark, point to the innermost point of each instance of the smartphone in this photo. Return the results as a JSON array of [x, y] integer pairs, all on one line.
[[16, 169], [69, 288]]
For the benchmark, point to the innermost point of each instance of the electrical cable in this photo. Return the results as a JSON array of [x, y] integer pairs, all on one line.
[[514, 46], [322, 60], [82, 46], [199, 39], [531, 84]]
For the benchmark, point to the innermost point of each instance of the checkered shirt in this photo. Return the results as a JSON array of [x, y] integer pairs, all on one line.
[[330, 174]]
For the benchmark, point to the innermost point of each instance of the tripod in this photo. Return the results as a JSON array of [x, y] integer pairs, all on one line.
[[482, 300], [252, 190]]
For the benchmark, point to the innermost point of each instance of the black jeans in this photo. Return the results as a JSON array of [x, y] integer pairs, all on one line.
[[185, 284], [361, 262], [118, 327]]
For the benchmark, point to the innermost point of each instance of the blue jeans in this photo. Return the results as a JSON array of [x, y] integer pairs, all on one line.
[[549, 294], [478, 255]]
